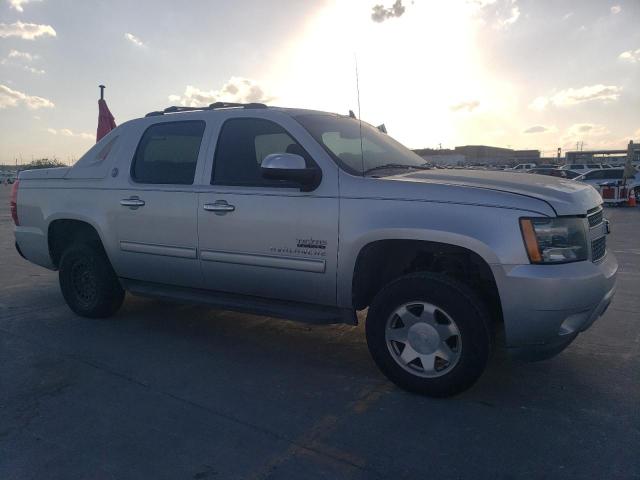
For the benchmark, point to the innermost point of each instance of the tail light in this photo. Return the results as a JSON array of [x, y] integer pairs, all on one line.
[[13, 202]]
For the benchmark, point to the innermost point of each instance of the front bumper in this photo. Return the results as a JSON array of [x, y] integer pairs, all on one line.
[[545, 306]]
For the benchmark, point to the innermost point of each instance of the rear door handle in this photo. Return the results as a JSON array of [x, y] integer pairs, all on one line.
[[219, 207], [132, 202]]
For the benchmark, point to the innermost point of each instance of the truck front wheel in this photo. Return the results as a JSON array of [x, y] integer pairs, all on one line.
[[88, 283], [429, 334]]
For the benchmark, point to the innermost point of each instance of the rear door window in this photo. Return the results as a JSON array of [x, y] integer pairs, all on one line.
[[168, 153]]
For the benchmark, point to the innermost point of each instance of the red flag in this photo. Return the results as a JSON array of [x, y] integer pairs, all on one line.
[[106, 122]]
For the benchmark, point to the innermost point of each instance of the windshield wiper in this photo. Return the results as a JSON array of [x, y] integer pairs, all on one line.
[[396, 165]]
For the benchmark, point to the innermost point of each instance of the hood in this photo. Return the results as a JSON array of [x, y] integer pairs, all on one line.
[[566, 197]]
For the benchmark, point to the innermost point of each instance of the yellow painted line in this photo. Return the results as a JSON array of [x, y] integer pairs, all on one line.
[[310, 442]]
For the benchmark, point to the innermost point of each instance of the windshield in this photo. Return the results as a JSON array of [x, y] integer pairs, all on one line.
[[376, 153]]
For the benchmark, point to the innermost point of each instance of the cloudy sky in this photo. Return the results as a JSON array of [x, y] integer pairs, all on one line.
[[519, 73]]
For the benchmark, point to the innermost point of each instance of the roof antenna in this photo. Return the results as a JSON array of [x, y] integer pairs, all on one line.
[[359, 112], [101, 87]]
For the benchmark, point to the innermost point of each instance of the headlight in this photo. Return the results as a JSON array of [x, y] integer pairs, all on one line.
[[554, 240]]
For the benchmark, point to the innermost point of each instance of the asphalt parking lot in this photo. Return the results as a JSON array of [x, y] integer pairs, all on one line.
[[167, 391]]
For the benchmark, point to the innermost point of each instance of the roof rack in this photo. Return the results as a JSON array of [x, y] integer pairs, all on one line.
[[213, 106]]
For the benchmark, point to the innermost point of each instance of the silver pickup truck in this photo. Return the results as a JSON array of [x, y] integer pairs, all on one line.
[[314, 216]]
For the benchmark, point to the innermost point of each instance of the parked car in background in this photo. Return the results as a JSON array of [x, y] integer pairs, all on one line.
[[607, 175], [543, 170], [314, 216], [522, 167], [7, 178], [581, 167], [570, 174], [555, 172]]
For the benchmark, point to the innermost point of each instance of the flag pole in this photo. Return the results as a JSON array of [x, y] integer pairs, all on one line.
[[106, 122]]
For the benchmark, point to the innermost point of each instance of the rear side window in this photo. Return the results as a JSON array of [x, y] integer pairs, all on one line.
[[99, 152], [106, 150], [168, 153], [242, 146]]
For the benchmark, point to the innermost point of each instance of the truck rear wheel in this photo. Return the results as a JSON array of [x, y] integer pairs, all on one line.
[[429, 334], [88, 283]]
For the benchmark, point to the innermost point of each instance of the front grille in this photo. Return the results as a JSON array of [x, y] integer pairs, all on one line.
[[598, 248], [595, 216]]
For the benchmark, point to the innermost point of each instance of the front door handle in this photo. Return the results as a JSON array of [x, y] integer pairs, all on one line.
[[219, 207], [132, 202]]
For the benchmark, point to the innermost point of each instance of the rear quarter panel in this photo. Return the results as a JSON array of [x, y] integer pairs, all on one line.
[[40, 202], [61, 194]]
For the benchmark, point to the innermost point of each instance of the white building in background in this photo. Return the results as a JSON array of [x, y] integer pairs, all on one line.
[[478, 155], [616, 157]]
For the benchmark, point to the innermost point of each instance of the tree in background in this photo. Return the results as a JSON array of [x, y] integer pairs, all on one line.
[[43, 163]]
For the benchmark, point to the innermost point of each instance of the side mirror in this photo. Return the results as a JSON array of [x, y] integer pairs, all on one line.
[[291, 167]]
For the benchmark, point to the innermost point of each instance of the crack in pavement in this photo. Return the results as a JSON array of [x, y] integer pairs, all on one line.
[[296, 445]]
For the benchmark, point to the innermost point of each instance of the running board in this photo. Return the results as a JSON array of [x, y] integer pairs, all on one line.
[[302, 312]]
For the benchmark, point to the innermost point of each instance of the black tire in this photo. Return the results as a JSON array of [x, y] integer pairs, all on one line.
[[462, 306], [88, 283]]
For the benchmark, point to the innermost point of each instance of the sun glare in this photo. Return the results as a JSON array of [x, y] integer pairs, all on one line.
[[412, 69]]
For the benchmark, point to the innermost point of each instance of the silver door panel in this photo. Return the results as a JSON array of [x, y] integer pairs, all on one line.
[[157, 242], [286, 263], [277, 244]]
